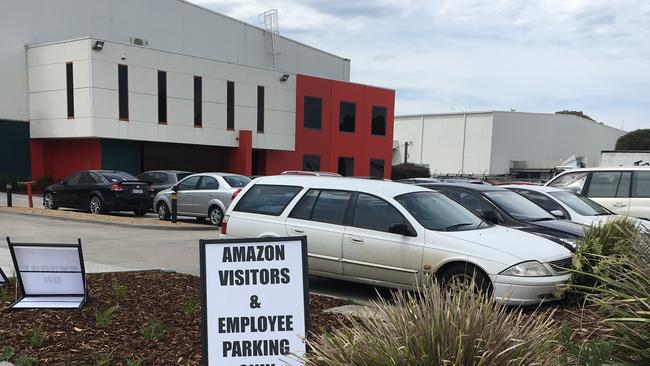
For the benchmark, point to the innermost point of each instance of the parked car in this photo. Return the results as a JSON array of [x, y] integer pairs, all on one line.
[[624, 190], [397, 235], [417, 180], [507, 208], [564, 204], [163, 179], [204, 195], [307, 172], [100, 191]]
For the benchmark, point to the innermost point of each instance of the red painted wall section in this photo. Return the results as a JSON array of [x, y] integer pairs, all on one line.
[[329, 142], [241, 158], [62, 157]]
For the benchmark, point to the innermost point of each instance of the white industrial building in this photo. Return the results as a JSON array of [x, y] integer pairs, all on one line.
[[499, 143]]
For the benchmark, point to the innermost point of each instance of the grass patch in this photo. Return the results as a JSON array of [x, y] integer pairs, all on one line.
[[152, 330]]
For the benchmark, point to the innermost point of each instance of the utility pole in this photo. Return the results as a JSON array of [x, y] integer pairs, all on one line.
[[406, 151]]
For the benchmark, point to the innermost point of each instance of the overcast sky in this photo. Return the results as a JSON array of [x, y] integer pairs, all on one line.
[[466, 55]]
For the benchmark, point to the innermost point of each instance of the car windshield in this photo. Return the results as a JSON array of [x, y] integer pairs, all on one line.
[[117, 177], [518, 206], [580, 204], [236, 181], [437, 212]]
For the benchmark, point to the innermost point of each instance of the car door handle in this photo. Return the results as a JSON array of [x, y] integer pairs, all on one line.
[[298, 231], [355, 239], [619, 204]]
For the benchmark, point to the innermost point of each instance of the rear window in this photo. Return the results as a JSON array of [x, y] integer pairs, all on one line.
[[117, 177], [180, 176], [267, 199], [236, 181]]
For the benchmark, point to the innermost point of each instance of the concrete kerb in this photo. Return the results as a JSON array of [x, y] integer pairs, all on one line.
[[137, 226]]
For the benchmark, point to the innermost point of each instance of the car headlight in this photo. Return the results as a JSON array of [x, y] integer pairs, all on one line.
[[527, 269]]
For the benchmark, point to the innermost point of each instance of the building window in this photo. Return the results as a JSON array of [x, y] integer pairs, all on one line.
[[162, 97], [198, 101], [313, 112], [376, 168], [378, 121], [260, 109], [346, 116], [123, 91], [311, 163], [346, 166], [69, 84], [230, 111]]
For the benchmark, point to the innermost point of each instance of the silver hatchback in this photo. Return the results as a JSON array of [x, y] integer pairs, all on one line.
[[203, 195]]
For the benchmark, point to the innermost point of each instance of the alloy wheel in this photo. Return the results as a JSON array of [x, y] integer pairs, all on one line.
[[163, 212], [48, 201], [216, 216], [95, 205]]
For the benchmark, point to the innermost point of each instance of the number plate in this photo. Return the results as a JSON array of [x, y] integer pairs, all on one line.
[[138, 191]]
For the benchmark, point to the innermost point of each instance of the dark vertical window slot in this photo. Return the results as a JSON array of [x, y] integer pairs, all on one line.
[[311, 163], [230, 111], [346, 167], [260, 109], [69, 83], [198, 101], [347, 116], [123, 91], [312, 113], [378, 121], [377, 168], [162, 97]]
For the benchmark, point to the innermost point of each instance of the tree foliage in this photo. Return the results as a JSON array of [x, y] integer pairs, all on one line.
[[635, 140], [408, 170], [575, 113]]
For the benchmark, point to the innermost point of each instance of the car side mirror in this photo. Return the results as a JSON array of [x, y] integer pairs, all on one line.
[[558, 213], [401, 229], [175, 188], [490, 216]]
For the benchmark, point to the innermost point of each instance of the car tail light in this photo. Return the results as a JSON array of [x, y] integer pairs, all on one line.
[[116, 187], [235, 193], [224, 225]]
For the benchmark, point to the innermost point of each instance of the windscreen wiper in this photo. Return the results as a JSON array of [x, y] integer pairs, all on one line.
[[456, 226], [542, 219]]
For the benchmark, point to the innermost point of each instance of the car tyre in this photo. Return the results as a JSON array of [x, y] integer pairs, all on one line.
[[215, 215], [140, 212], [48, 201], [96, 205], [163, 211], [461, 276]]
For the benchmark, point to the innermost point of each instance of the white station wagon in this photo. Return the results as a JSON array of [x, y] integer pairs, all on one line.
[[397, 235]]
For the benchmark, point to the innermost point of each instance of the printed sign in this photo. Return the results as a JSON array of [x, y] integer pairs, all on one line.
[[3, 278], [255, 301], [49, 275]]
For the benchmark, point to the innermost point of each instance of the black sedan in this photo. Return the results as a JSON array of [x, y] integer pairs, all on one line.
[[163, 179], [100, 191], [504, 207]]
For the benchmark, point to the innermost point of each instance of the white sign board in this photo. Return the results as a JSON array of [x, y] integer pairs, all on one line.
[[49, 275], [255, 301]]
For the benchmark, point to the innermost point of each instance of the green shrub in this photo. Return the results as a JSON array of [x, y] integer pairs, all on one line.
[[6, 353], [635, 140], [119, 290], [152, 330], [37, 337], [103, 358], [190, 307], [403, 171], [43, 182], [4, 295], [137, 362], [25, 360], [593, 353], [104, 317], [435, 327]]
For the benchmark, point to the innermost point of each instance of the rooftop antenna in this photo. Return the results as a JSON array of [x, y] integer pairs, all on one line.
[[269, 19]]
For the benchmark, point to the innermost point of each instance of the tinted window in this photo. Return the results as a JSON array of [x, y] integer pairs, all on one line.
[[373, 213], [208, 183], [313, 112], [541, 200], [198, 101], [69, 82], [609, 184], [230, 105], [98, 178], [236, 181], [580, 204], [517, 206], [267, 199], [260, 109], [304, 207], [118, 177], [473, 202], [188, 183], [311, 163], [331, 207], [162, 97], [160, 178], [146, 177], [346, 167], [437, 212], [573, 182], [86, 179], [180, 176], [377, 168], [123, 91], [347, 116], [378, 121], [641, 184], [73, 178]]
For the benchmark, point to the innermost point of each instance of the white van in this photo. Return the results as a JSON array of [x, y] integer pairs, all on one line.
[[397, 235], [624, 190]]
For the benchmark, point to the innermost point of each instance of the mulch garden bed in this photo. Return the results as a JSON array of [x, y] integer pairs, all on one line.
[[74, 337]]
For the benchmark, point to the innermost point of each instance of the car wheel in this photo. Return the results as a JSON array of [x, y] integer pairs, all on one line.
[[215, 215], [140, 212], [48, 201], [96, 205], [163, 211], [466, 277]]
